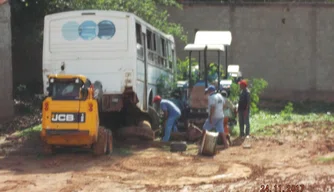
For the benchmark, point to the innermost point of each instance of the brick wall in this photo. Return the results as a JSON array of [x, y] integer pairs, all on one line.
[[6, 101], [289, 45]]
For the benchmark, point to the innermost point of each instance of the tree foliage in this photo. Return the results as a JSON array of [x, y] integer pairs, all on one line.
[[183, 70], [256, 87]]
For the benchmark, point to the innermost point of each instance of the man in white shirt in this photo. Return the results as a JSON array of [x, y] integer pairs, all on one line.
[[216, 113]]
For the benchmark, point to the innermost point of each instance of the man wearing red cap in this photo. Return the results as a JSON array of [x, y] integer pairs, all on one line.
[[243, 108], [171, 114]]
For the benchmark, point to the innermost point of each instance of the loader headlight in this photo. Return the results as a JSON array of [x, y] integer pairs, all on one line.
[[52, 80]]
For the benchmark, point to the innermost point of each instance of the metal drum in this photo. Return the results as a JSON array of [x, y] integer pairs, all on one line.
[[209, 143]]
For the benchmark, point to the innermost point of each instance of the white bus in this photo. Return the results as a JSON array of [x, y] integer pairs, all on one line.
[[120, 50]]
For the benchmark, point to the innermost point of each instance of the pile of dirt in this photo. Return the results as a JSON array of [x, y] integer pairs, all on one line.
[[304, 128], [27, 114]]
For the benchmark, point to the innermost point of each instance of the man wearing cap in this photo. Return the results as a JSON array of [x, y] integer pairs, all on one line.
[[243, 108], [216, 113], [171, 114]]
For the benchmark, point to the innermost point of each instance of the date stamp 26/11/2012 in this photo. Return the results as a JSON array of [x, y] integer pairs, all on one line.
[[282, 188]]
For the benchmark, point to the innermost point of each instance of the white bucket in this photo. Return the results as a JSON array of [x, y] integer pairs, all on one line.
[[209, 143]]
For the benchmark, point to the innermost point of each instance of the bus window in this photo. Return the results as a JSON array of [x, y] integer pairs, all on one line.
[[149, 39], [173, 58], [140, 50], [154, 42], [163, 52], [163, 47], [150, 45], [138, 33], [170, 58]]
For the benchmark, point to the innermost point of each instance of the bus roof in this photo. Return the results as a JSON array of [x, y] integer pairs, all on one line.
[[104, 12]]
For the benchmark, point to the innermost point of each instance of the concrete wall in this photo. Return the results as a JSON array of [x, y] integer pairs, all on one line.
[[291, 46], [6, 98]]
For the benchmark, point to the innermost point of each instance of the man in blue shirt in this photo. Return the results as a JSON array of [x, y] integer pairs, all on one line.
[[171, 114]]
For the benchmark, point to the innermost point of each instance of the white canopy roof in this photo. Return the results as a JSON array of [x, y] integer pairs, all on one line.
[[233, 68], [212, 40], [194, 47]]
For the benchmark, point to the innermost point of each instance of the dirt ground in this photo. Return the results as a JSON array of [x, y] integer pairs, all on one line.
[[302, 154]]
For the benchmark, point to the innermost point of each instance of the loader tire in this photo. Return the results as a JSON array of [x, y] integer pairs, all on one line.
[[101, 145], [109, 142], [178, 146]]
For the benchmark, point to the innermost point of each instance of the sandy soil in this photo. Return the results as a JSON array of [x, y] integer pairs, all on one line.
[[292, 158]]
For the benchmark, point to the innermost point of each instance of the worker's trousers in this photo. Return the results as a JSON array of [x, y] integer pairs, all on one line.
[[171, 124], [244, 120]]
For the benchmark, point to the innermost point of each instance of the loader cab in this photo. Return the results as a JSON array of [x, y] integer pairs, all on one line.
[[68, 88], [69, 102]]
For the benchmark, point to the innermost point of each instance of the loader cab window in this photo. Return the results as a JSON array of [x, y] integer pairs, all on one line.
[[65, 89]]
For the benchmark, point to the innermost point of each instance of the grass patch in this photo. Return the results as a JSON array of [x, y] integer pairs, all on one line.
[[259, 121], [29, 131], [191, 150], [325, 160]]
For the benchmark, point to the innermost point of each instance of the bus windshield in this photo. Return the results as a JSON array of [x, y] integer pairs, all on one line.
[[65, 89]]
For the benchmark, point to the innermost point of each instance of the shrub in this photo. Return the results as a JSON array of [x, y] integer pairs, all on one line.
[[256, 87], [287, 111]]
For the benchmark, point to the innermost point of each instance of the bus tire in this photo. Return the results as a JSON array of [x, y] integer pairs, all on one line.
[[154, 118]]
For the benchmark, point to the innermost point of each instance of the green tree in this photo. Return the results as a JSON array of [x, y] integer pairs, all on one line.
[[183, 69], [213, 72]]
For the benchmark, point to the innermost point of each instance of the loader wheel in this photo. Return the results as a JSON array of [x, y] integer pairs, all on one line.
[[109, 142], [101, 145], [48, 149]]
